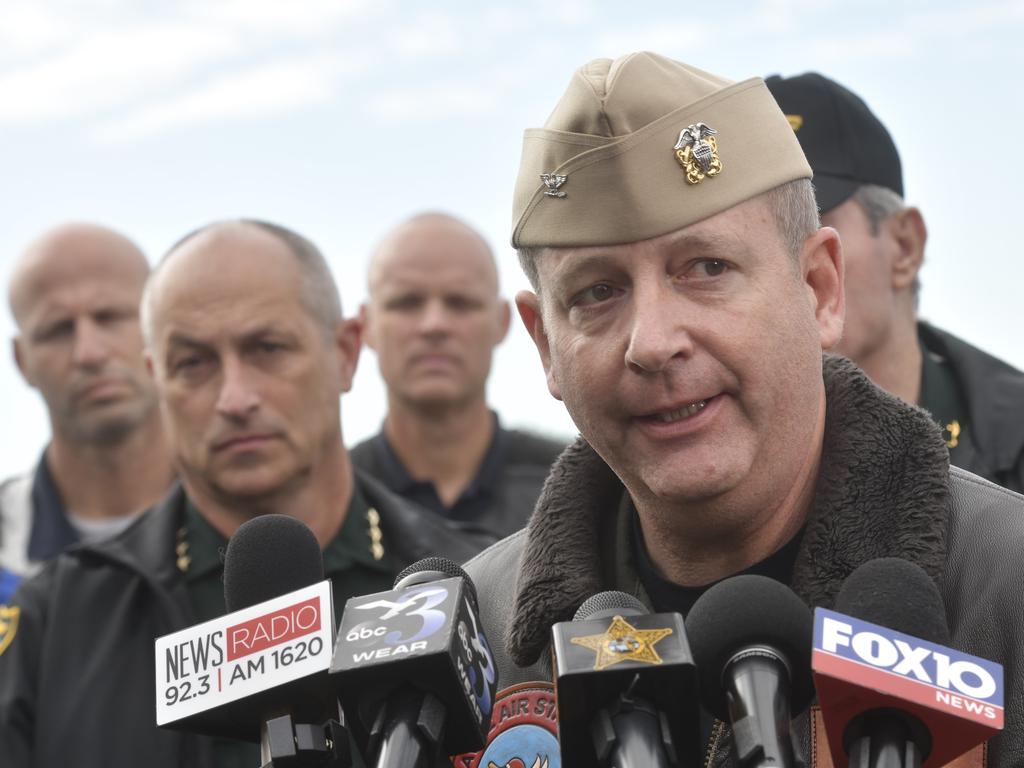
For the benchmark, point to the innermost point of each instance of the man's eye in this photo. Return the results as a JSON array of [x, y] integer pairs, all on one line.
[[595, 294], [404, 303], [713, 267], [61, 330], [189, 363]]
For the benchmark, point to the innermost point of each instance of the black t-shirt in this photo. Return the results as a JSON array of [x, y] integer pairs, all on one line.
[[669, 597], [477, 498]]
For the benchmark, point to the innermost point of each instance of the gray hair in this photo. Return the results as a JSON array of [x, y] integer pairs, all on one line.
[[878, 204], [319, 291], [796, 216]]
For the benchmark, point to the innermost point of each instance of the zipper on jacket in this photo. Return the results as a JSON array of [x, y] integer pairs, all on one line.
[[717, 728]]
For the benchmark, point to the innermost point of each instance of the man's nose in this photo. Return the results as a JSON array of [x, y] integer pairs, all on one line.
[[435, 318], [238, 395], [658, 332], [92, 347]]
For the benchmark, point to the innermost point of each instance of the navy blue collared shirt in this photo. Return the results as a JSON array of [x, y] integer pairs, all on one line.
[[52, 532], [474, 501]]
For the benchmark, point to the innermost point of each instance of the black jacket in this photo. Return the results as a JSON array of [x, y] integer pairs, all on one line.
[[525, 459], [993, 444], [77, 683], [885, 489]]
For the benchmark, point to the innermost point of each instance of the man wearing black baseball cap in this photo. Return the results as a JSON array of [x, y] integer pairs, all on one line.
[[977, 399]]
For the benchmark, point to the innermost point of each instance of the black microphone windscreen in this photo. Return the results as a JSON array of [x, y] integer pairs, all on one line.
[[744, 611], [897, 594], [269, 556], [449, 568], [604, 604]]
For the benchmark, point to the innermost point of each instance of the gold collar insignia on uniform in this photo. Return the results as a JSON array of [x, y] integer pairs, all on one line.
[[8, 625], [953, 430]]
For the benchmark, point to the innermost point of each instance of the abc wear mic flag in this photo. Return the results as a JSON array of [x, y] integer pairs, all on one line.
[[413, 669]]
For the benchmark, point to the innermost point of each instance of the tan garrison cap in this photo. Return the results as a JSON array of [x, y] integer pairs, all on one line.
[[644, 145]]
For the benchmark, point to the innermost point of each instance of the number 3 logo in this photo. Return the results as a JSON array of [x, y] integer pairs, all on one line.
[[432, 620]]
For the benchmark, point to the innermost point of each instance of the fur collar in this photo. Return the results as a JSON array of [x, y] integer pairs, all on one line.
[[881, 492]]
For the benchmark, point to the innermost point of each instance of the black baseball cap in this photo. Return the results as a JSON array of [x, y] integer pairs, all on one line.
[[845, 143]]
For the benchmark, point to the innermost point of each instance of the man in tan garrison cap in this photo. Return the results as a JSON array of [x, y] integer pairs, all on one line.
[[684, 296]]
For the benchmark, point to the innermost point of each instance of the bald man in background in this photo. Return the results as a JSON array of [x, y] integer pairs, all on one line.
[[434, 317], [75, 298]]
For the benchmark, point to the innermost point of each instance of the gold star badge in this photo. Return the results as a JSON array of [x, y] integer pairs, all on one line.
[[623, 642]]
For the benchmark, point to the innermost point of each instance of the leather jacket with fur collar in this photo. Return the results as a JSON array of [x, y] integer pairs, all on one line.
[[885, 489]]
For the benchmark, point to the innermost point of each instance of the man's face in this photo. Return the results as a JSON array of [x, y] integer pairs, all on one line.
[[249, 380], [433, 315], [691, 362], [80, 343], [872, 311]]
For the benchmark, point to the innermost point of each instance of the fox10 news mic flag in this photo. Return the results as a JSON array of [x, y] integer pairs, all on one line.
[[751, 639], [889, 697], [413, 669], [269, 657], [625, 685]]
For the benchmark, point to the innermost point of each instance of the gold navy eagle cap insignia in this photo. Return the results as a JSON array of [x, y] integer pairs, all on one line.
[[623, 642], [697, 152]]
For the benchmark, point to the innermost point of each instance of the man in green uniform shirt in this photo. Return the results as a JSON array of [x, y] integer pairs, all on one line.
[[250, 353], [976, 399]]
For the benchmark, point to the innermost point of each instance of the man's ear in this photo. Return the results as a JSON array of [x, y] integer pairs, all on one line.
[[528, 305], [504, 321], [19, 360], [347, 345], [364, 324], [908, 231], [821, 260]]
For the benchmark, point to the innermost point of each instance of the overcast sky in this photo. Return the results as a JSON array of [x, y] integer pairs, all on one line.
[[339, 119]]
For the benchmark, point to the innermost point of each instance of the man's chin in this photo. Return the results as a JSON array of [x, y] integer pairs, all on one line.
[[109, 422], [248, 484], [438, 398]]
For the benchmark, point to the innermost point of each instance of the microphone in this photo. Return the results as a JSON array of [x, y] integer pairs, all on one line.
[[625, 681], [259, 673], [892, 693], [413, 669], [751, 639]]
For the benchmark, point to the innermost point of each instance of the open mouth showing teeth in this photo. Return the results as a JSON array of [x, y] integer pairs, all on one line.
[[681, 413]]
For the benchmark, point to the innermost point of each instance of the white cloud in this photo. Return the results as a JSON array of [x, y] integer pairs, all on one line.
[[30, 27], [871, 46], [426, 104], [257, 92], [428, 34], [302, 18], [969, 19], [680, 38], [65, 59], [108, 69]]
